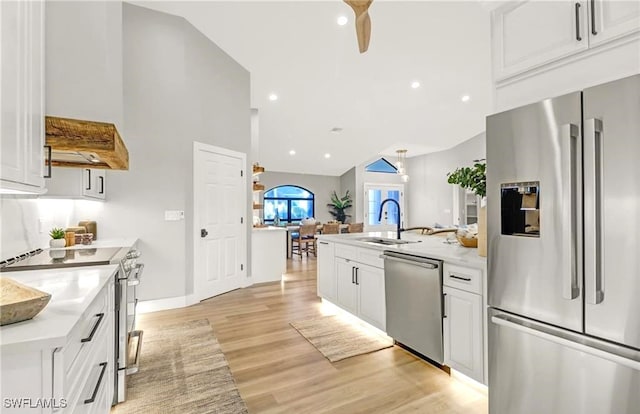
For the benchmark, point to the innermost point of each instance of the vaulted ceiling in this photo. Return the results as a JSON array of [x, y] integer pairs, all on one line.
[[297, 51]]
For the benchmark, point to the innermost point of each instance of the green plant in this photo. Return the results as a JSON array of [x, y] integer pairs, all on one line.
[[56, 233], [338, 206], [473, 178]]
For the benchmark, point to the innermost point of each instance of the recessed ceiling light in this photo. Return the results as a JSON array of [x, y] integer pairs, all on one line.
[[327, 155], [342, 20], [465, 98], [292, 152], [273, 97], [415, 84]]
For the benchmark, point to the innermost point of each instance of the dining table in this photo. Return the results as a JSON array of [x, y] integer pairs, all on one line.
[[292, 228]]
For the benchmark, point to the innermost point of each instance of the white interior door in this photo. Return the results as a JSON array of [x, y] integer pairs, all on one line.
[[374, 195], [219, 220]]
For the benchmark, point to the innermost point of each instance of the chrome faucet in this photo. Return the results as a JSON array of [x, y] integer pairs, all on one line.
[[398, 215]]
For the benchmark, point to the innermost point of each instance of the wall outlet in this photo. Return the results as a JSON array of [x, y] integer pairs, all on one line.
[[173, 215]]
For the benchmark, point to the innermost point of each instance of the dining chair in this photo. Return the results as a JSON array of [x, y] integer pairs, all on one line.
[[306, 240], [355, 228], [331, 228]]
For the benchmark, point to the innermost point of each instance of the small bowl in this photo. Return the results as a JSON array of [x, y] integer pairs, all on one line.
[[467, 242]]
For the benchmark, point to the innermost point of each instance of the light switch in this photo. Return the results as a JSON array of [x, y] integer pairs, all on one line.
[[173, 215]]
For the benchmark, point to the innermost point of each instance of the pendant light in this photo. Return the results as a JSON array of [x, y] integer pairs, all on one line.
[[401, 164]]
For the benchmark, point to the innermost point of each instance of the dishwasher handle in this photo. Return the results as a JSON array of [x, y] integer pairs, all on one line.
[[418, 261]]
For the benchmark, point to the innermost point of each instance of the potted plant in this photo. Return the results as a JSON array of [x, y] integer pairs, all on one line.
[[475, 179], [472, 178], [57, 237], [339, 205]]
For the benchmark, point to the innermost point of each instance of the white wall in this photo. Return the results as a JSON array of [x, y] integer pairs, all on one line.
[[83, 66], [430, 197], [178, 88], [320, 185]]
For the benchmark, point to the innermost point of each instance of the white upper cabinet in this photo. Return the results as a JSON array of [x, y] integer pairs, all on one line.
[[529, 34], [22, 102], [77, 183], [611, 19]]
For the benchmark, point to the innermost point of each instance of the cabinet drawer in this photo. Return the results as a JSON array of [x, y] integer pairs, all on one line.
[[370, 257], [346, 252], [92, 393], [463, 278], [88, 322]]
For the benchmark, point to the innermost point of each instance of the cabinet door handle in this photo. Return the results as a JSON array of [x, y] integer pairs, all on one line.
[[357, 282], [95, 328], [88, 179], [95, 390], [324, 242], [578, 37], [444, 307], [593, 18], [353, 277], [101, 184], [48, 163], [466, 279]]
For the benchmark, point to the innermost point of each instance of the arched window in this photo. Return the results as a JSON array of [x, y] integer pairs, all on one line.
[[292, 203]]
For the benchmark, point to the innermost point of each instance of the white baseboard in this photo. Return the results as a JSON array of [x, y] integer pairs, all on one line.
[[155, 305]]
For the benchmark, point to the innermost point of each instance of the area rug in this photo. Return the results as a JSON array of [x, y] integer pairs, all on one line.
[[337, 339], [182, 370]]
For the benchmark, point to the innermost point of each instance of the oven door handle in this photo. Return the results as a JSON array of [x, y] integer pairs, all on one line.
[[133, 281]]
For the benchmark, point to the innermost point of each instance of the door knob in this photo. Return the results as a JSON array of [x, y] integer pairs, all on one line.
[[204, 233]]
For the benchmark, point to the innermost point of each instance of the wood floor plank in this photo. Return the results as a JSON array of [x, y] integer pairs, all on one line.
[[279, 371]]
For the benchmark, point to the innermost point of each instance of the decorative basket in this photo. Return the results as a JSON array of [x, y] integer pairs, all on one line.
[[467, 242]]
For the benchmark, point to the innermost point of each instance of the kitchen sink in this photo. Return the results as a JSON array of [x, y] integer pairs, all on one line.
[[384, 241]]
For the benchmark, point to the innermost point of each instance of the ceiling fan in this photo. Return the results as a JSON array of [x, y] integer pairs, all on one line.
[[363, 22]]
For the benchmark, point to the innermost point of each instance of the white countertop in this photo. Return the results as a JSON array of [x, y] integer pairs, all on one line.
[[269, 228], [433, 247], [72, 291]]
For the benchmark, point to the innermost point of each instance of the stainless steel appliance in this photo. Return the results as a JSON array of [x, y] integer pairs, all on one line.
[[128, 279], [58, 258], [563, 191], [413, 293]]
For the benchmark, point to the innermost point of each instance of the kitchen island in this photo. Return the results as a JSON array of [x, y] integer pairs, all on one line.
[[351, 275]]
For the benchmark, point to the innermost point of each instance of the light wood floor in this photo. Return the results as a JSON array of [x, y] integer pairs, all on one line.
[[278, 371]]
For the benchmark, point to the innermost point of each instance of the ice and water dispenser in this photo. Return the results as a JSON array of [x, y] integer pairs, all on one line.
[[520, 209]]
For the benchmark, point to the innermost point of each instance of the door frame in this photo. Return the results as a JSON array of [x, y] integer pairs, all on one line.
[[365, 209], [195, 235]]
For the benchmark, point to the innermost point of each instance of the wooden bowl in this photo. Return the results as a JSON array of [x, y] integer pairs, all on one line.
[[19, 302], [467, 242]]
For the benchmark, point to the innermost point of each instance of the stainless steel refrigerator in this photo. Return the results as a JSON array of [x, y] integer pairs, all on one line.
[[563, 193]]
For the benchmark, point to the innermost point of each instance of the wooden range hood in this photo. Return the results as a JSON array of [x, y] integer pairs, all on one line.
[[80, 144]]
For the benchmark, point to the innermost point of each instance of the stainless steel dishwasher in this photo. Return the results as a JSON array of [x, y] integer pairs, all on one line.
[[413, 292]]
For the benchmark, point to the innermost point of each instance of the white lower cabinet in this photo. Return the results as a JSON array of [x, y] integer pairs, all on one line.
[[326, 271], [75, 378], [360, 290], [372, 309], [463, 340]]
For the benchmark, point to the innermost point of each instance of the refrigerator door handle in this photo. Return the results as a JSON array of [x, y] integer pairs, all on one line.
[[594, 283], [571, 197], [573, 341]]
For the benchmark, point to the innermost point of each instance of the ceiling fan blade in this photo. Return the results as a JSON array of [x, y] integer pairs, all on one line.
[[363, 22]]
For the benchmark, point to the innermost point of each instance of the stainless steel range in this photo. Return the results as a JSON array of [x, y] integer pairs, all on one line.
[[128, 340], [128, 279]]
